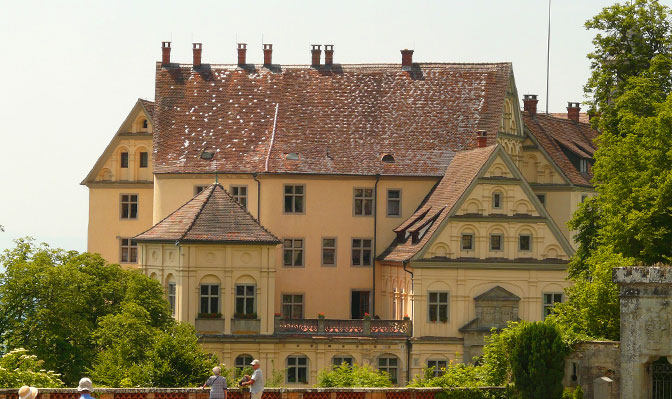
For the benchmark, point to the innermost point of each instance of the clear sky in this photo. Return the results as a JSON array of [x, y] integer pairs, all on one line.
[[72, 70]]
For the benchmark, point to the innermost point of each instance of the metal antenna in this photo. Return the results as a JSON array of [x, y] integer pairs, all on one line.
[[548, 53]]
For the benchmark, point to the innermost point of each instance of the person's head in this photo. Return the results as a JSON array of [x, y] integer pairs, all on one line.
[[26, 392], [255, 364], [217, 370], [85, 385]]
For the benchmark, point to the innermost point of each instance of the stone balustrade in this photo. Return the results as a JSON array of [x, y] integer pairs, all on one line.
[[393, 328]]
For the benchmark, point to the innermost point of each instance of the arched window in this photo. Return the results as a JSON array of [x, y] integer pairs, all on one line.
[[145, 124], [243, 361], [297, 369], [388, 158], [338, 360], [390, 364]]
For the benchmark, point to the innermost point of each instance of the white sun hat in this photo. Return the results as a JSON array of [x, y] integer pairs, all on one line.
[[85, 384], [26, 392], [255, 361]]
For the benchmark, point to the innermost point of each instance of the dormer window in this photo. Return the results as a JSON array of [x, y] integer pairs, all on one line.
[[292, 156], [207, 155], [583, 165], [497, 201], [388, 158]]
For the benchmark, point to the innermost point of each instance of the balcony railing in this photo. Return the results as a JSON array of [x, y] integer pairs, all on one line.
[[391, 328]]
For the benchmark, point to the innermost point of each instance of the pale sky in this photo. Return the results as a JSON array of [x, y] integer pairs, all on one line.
[[73, 70]]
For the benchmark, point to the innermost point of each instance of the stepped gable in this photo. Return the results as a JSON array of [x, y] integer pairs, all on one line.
[[338, 120], [426, 220], [557, 136], [212, 216]]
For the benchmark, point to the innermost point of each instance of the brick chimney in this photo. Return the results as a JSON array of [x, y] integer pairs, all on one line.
[[573, 110], [406, 59], [268, 54], [530, 103], [328, 55], [198, 48], [316, 51], [482, 138], [242, 49], [165, 53]]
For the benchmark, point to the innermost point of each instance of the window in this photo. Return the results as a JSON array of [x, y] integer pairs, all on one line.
[[292, 156], [243, 361], [124, 159], [328, 252], [361, 252], [129, 250], [339, 360], [583, 198], [393, 203], [467, 242], [497, 200], [495, 242], [292, 306], [363, 201], [145, 125], [144, 159], [239, 193], [550, 300], [172, 295], [293, 252], [438, 306], [524, 242], [297, 369], [388, 158], [129, 206], [244, 299], [583, 165], [199, 189], [294, 199], [390, 364], [439, 366], [542, 198], [210, 298]]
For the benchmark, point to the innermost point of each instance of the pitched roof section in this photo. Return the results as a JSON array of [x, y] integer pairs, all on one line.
[[341, 120], [583, 116], [557, 135], [149, 107], [464, 168], [212, 216]]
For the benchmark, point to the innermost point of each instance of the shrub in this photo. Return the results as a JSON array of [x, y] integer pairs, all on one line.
[[352, 376], [19, 368]]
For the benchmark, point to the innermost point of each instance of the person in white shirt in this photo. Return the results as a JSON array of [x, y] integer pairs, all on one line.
[[256, 381]]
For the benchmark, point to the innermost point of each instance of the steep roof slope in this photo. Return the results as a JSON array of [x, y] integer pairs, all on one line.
[[340, 120], [555, 134], [211, 216]]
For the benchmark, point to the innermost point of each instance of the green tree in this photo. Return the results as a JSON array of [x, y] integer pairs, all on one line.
[[352, 376], [537, 361], [18, 368]]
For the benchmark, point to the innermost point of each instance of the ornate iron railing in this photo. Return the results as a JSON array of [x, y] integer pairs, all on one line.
[[399, 328]]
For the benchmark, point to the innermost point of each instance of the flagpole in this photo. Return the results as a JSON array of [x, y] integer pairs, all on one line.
[[548, 53]]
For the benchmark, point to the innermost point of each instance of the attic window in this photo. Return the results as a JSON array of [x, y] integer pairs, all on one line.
[[388, 158], [145, 125], [292, 156], [583, 165], [207, 154]]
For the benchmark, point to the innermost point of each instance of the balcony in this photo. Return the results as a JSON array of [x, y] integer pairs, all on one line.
[[353, 328], [245, 326], [210, 325]]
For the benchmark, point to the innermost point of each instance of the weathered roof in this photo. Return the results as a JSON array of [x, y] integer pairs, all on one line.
[[425, 221], [211, 216], [583, 116], [558, 135], [339, 120], [149, 106]]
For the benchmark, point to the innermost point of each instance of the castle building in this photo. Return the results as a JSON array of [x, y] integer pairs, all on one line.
[[309, 215]]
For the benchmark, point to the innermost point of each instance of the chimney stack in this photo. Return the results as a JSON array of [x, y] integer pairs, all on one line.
[[482, 138], [165, 53], [406, 59], [242, 49], [530, 103], [328, 55], [198, 48], [573, 110], [316, 51], [268, 53]]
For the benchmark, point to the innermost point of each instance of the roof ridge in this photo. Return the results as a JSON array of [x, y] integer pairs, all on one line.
[[212, 188]]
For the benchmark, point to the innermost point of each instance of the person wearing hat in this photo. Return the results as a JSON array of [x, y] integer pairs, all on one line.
[[85, 388], [217, 384], [256, 381], [26, 392]]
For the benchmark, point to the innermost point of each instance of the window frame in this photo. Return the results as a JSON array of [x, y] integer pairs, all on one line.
[[238, 196], [144, 159], [438, 304], [343, 357], [462, 241], [144, 124], [497, 204], [172, 296], [520, 242], [361, 249], [297, 366], [363, 198], [244, 298], [124, 159], [244, 361], [209, 295], [387, 367], [550, 306], [387, 203], [293, 249], [126, 243], [294, 195], [501, 242], [437, 368], [292, 304], [583, 165], [130, 203], [334, 248]]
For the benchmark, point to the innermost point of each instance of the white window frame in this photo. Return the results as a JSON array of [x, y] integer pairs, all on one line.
[[397, 200], [394, 377], [293, 248], [364, 199], [549, 305], [235, 191], [438, 304]]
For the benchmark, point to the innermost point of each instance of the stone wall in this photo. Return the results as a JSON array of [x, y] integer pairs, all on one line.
[[589, 362]]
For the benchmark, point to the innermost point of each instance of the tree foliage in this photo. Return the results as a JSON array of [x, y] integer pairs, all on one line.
[[18, 368], [352, 376]]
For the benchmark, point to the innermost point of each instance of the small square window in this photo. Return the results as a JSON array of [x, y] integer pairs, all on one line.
[[363, 205], [525, 242], [124, 160], [328, 252], [542, 198], [144, 159], [394, 203], [495, 242], [467, 242], [438, 365]]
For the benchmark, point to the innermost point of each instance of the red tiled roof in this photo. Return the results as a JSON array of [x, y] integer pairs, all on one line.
[[554, 134], [211, 216], [149, 106], [339, 121], [462, 171], [583, 116]]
